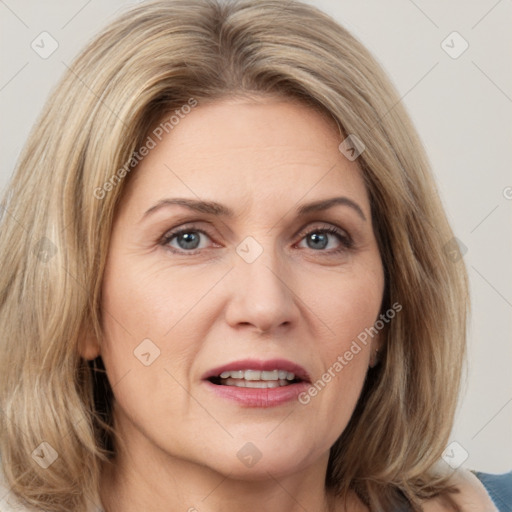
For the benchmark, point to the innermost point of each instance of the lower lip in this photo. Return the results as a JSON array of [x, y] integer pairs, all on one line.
[[258, 397]]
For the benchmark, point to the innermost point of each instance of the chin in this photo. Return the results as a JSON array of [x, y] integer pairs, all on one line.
[[257, 458], [275, 467]]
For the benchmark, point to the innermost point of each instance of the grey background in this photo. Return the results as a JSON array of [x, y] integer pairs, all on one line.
[[462, 108]]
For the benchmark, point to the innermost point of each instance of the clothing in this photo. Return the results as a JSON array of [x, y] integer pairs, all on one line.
[[499, 488]]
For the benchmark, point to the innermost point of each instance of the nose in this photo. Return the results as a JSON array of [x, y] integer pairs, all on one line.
[[261, 294]]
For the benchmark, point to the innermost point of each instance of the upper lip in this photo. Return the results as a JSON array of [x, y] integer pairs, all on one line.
[[262, 365]]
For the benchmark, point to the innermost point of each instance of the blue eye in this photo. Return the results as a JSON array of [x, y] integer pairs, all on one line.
[[188, 240], [319, 239]]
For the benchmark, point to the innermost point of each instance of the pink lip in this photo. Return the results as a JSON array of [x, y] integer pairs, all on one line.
[[256, 397]]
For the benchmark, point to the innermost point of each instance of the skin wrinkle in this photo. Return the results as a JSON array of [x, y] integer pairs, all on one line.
[[204, 310], [293, 302], [181, 443]]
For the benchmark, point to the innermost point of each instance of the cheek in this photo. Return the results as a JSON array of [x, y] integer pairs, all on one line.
[[347, 309], [138, 303], [138, 320], [348, 306], [147, 331], [130, 347], [151, 295]]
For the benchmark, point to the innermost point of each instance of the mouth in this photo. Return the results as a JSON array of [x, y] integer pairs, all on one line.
[[256, 383]]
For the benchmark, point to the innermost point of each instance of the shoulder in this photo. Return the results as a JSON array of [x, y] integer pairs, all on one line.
[[476, 492], [499, 488]]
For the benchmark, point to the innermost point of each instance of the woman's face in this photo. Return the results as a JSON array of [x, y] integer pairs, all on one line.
[[253, 282]]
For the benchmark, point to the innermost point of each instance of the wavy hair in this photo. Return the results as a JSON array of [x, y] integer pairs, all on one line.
[[57, 218]]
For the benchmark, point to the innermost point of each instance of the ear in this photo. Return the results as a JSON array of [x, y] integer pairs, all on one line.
[[88, 345]]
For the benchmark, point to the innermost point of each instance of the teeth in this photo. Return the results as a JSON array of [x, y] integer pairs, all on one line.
[[257, 375], [240, 383], [257, 379], [252, 375], [262, 384], [273, 375]]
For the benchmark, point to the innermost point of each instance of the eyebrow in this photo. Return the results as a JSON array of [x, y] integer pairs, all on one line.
[[214, 208]]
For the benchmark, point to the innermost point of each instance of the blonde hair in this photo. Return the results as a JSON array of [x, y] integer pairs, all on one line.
[[55, 234]]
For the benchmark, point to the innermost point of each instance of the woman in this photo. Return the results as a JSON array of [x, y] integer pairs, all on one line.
[[226, 285]]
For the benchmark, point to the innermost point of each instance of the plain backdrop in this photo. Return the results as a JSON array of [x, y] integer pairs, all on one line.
[[460, 100]]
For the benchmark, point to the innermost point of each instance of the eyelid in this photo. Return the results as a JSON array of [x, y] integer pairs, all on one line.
[[323, 226], [344, 236], [171, 233]]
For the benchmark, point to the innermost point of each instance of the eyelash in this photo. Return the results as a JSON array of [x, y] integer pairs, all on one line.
[[346, 241]]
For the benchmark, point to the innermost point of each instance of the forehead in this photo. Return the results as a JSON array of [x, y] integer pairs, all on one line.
[[246, 152]]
